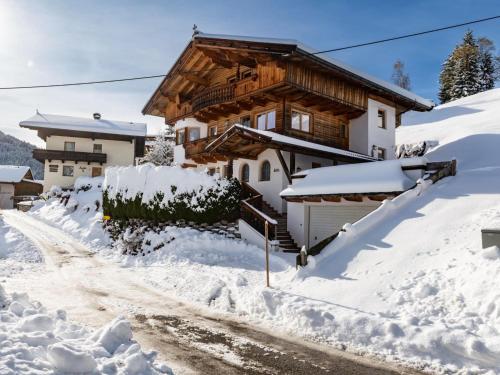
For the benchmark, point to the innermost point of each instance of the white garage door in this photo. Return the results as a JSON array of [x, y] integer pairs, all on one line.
[[324, 221]]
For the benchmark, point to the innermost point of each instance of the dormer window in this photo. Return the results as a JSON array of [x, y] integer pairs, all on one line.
[[381, 119]]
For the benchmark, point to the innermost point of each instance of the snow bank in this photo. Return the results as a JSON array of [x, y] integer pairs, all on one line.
[[149, 180], [34, 341]]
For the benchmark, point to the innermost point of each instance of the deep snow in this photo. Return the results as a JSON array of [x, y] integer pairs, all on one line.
[[409, 282]]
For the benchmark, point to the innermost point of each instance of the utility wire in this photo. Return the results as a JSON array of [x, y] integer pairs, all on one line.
[[313, 53], [407, 35]]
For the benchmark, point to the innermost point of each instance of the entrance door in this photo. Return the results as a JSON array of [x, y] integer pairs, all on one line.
[[96, 171], [325, 221]]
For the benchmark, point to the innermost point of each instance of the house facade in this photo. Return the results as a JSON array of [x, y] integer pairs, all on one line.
[[263, 109], [84, 146], [16, 182]]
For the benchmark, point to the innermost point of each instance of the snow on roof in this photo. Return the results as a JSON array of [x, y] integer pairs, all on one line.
[[377, 177], [387, 85], [91, 125], [305, 144], [13, 173]]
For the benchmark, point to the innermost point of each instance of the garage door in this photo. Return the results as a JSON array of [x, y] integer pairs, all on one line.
[[325, 221], [6, 200]]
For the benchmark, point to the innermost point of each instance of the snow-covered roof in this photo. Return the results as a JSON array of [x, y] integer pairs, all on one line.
[[91, 125], [311, 51], [378, 177], [280, 138], [12, 173]]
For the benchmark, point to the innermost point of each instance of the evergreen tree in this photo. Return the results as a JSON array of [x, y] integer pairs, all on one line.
[[487, 73], [466, 73], [162, 150], [399, 77], [446, 79]]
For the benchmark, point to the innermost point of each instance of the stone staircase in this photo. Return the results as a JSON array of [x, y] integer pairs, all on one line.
[[287, 244]]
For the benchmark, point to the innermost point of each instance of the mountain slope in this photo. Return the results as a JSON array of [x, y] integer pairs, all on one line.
[[417, 285], [16, 152]]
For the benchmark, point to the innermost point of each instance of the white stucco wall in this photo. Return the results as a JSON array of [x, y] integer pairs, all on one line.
[[118, 153], [6, 194], [364, 132]]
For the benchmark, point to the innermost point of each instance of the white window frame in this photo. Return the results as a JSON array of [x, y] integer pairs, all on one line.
[[266, 124], [382, 125], [301, 114], [72, 171]]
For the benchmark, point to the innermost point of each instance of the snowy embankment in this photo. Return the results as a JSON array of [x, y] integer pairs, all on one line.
[[33, 341], [409, 283]]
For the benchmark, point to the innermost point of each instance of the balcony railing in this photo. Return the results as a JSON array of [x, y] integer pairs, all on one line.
[[91, 157], [212, 96]]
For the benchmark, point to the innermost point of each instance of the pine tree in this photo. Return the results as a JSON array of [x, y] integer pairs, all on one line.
[[466, 73], [446, 79], [399, 77], [486, 64], [162, 150]]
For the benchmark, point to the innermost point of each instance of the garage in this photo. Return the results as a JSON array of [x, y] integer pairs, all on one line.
[[326, 220]]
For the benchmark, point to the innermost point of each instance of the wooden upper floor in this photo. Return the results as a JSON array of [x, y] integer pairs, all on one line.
[[222, 80]]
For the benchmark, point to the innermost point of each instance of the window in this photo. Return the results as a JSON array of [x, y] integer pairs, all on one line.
[[181, 136], [380, 153], [194, 134], [316, 165], [231, 79], [245, 121], [69, 146], [267, 120], [98, 148], [246, 74], [245, 173], [342, 131], [381, 119], [68, 170], [265, 171], [300, 121], [53, 168], [212, 131], [211, 171]]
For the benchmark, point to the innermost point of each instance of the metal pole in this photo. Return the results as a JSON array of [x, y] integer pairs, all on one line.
[[266, 231]]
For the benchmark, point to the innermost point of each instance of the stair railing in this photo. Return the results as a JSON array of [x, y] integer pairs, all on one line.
[[251, 213]]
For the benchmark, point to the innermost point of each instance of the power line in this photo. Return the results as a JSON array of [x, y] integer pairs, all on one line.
[[313, 53], [407, 35]]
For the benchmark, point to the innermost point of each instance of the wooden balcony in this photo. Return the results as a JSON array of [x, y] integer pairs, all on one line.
[[90, 157], [213, 95]]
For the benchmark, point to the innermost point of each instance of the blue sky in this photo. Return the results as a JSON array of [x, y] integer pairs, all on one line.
[[52, 41]]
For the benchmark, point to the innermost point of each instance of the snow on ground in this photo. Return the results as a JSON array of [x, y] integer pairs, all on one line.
[[34, 341], [409, 283], [17, 254]]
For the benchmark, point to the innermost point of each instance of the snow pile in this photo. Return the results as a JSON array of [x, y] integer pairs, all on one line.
[[375, 177], [78, 213], [148, 180], [17, 253], [34, 341]]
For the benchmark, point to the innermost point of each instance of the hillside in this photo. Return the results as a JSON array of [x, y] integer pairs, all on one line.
[[16, 152], [417, 285]]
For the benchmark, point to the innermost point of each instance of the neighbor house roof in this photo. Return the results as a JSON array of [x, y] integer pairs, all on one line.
[[88, 125], [300, 47], [13, 173], [378, 177]]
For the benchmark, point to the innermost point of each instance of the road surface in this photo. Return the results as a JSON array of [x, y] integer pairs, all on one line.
[[192, 341]]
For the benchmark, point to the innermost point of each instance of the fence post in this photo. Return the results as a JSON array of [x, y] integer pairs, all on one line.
[[266, 234]]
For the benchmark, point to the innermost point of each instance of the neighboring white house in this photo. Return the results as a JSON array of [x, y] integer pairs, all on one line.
[[84, 146], [16, 181]]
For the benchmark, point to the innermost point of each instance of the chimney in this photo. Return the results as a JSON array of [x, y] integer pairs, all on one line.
[[97, 116]]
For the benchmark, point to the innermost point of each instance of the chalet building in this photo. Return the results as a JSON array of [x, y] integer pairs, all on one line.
[[16, 182], [84, 146], [263, 109]]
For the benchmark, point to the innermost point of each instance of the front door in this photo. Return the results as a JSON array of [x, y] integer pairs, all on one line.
[[96, 171]]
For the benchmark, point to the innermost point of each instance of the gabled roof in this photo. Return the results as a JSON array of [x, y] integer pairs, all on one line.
[[378, 177], [88, 125], [311, 52], [13, 173], [269, 139]]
